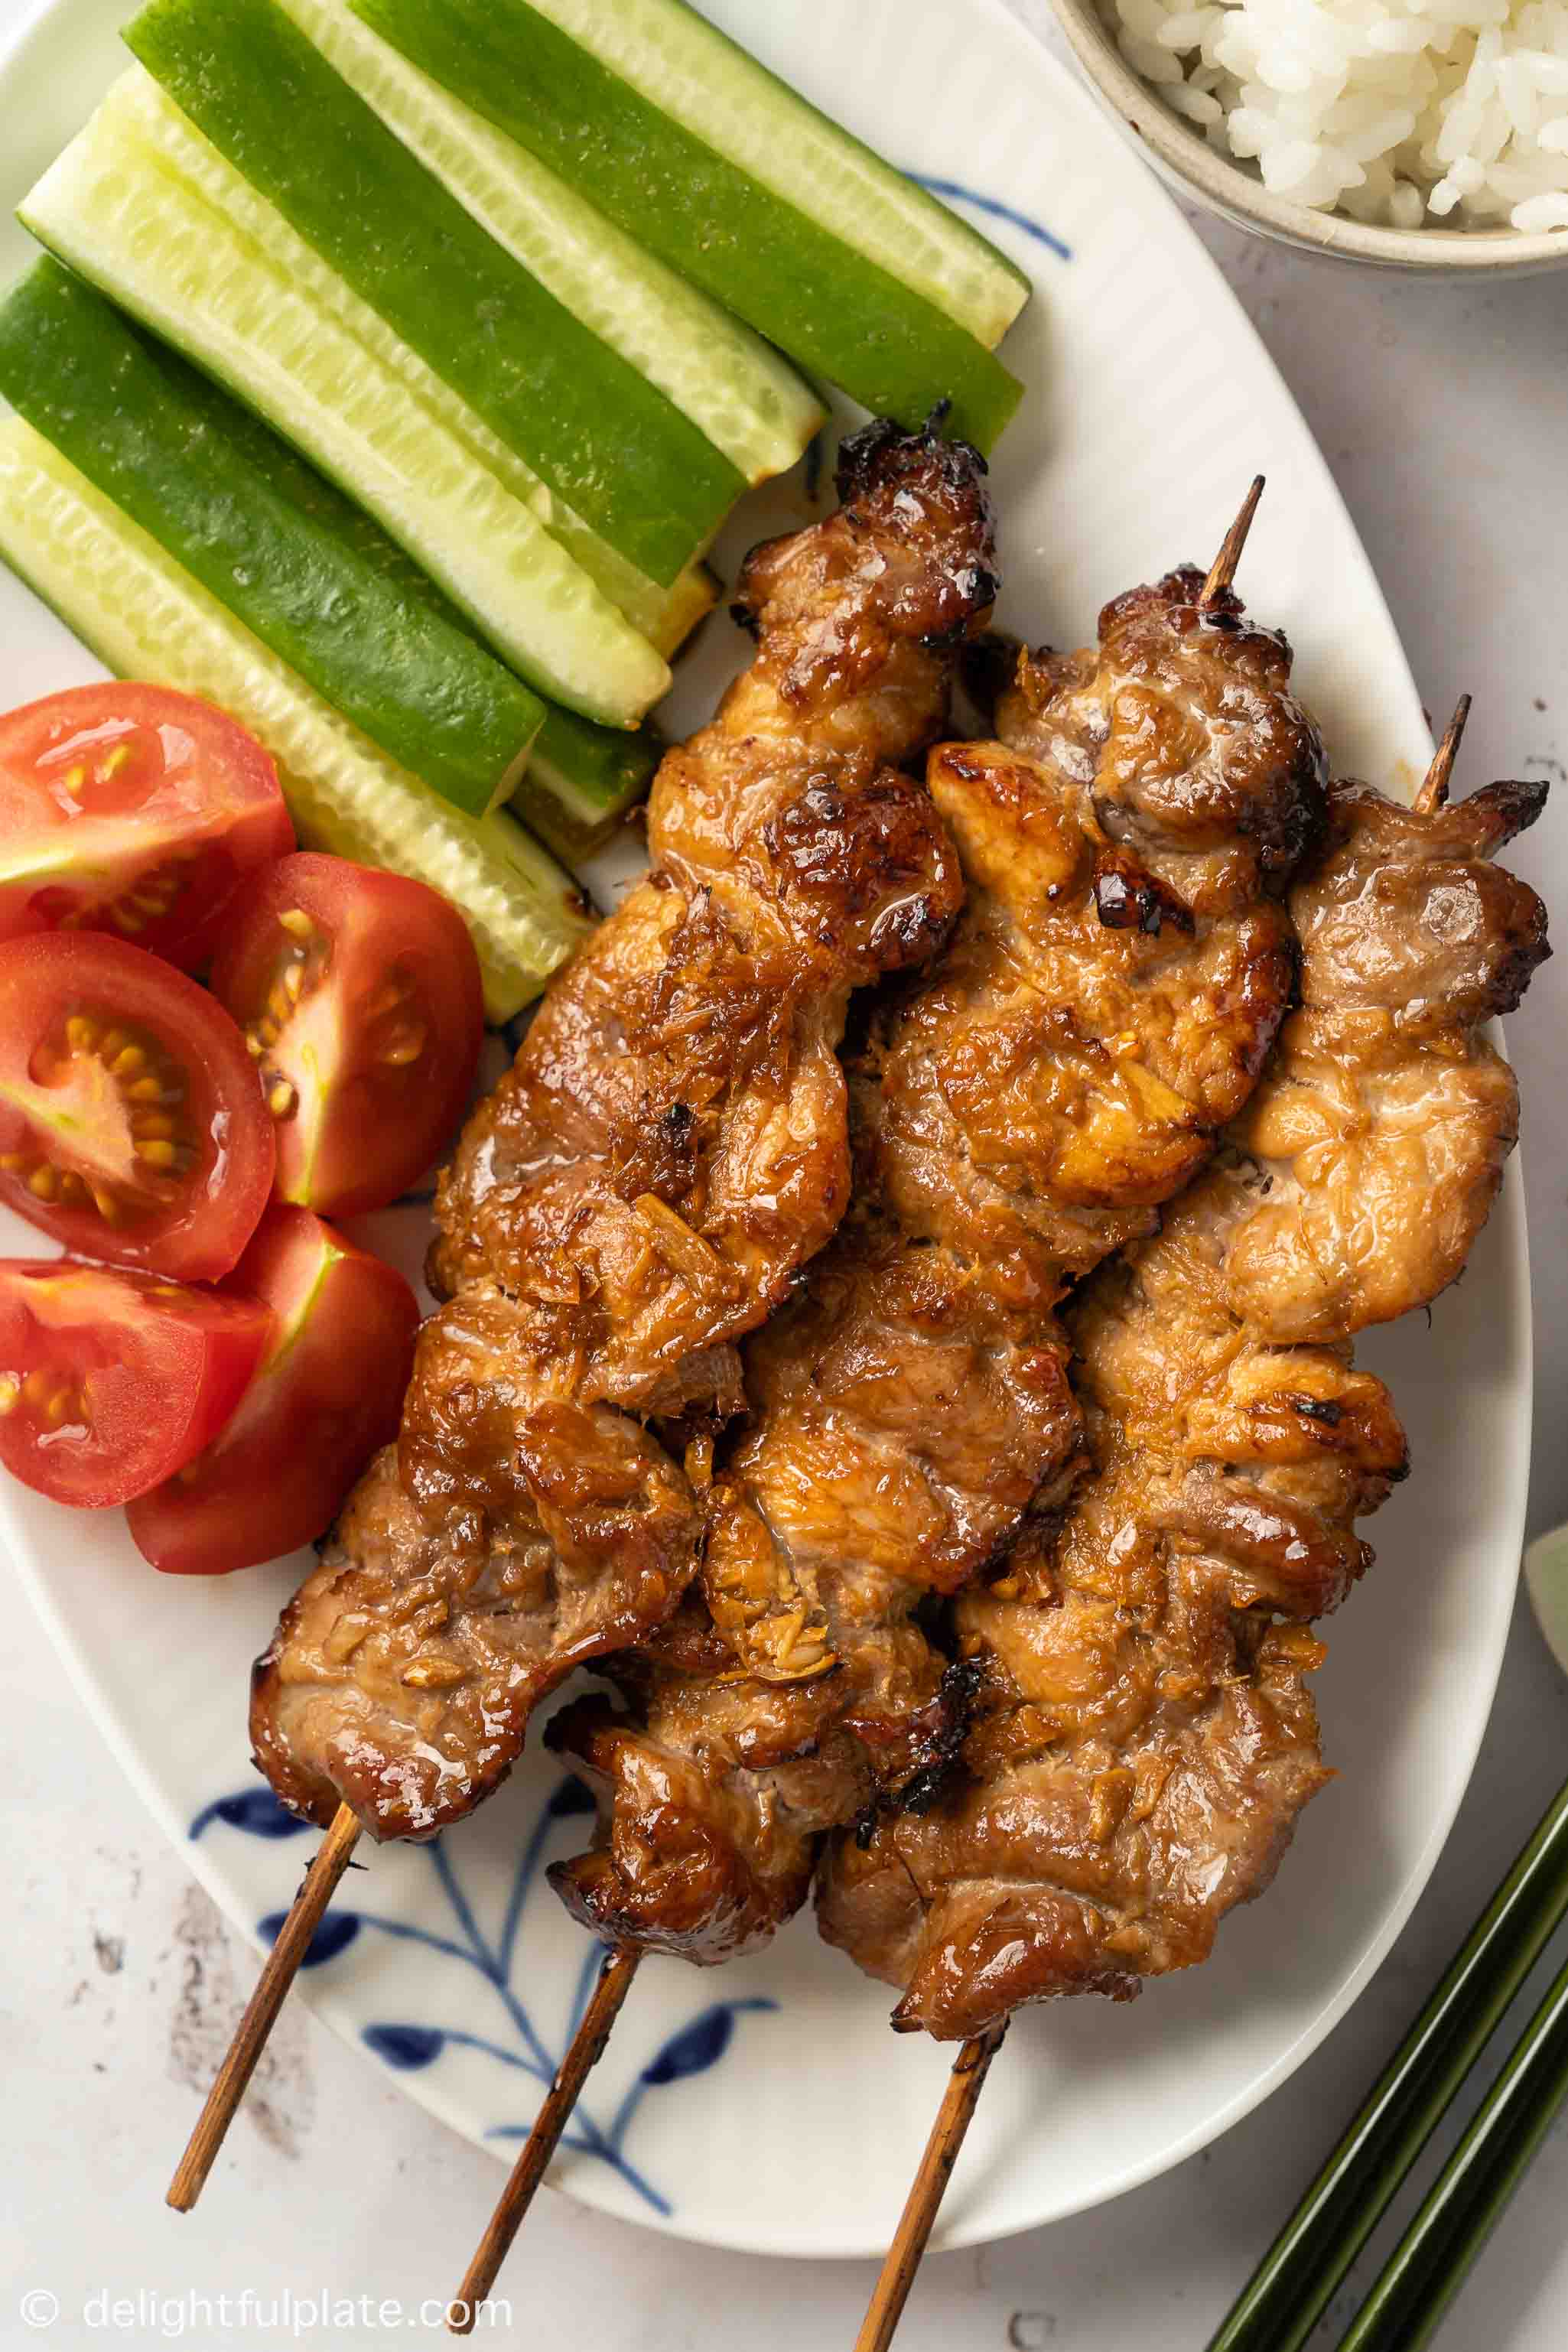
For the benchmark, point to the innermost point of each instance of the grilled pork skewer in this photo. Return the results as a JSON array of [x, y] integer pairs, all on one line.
[[1098, 1027], [1145, 1738], [1111, 995], [668, 1149]]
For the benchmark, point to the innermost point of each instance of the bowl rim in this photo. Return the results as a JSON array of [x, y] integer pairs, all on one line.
[[1186, 157]]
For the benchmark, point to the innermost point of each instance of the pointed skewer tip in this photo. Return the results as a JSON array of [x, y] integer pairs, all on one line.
[[1222, 571], [954, 2116], [1434, 792], [586, 2048], [282, 1963]]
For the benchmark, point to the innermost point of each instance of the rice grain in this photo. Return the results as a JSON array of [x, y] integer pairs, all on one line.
[[1400, 110]]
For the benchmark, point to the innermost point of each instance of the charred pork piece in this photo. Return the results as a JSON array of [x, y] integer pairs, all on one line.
[[1111, 992], [1144, 1739], [668, 1149]]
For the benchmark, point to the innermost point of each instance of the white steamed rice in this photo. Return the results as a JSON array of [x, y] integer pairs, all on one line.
[[1394, 110]]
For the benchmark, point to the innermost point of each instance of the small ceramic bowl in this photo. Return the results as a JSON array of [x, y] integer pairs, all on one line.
[[1183, 157]]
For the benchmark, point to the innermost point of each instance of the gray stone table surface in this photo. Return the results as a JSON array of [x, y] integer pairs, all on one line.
[[1441, 410]]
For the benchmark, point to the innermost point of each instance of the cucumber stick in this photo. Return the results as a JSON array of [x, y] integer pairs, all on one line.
[[696, 74], [147, 617], [610, 443], [581, 779], [307, 572], [736, 388], [198, 473], [137, 110], [689, 147], [129, 206]]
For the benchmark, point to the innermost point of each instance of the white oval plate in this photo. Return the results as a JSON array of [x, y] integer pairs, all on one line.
[[769, 2107]]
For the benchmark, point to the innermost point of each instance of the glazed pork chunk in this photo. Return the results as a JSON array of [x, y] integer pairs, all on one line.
[[668, 1149], [670, 1145], [1111, 995], [1143, 1738]]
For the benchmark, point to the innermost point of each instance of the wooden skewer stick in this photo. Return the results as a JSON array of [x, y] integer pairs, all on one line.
[[972, 2063], [1434, 792], [924, 2202], [587, 2048], [1222, 571], [272, 1988]]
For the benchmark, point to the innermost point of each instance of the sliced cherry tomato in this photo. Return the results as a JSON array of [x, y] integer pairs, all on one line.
[[131, 1127], [360, 997], [133, 809], [111, 1381], [328, 1393]]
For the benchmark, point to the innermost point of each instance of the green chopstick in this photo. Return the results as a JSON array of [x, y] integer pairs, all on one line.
[[1435, 2256], [1289, 2291]]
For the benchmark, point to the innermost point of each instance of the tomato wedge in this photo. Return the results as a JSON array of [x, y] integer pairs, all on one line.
[[328, 1393], [131, 1126], [111, 1381], [359, 995], [133, 809]]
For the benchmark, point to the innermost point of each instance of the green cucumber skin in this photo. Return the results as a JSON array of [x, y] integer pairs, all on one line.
[[134, 212], [725, 96], [145, 617], [204, 478], [737, 389], [256, 506], [607, 767], [538, 807], [834, 312], [609, 770], [619, 452], [580, 781], [578, 761]]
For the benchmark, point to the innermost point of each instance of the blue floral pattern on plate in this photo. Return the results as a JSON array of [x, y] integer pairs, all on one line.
[[955, 192], [406, 2045]]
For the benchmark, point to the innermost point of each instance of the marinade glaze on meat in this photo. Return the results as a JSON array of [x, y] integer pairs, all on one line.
[[668, 1149], [1144, 1739], [1109, 999]]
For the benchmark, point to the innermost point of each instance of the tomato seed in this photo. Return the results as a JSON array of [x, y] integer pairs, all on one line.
[[152, 1085], [405, 1047]]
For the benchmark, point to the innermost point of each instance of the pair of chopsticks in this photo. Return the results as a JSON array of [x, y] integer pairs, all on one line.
[[1291, 2287]]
